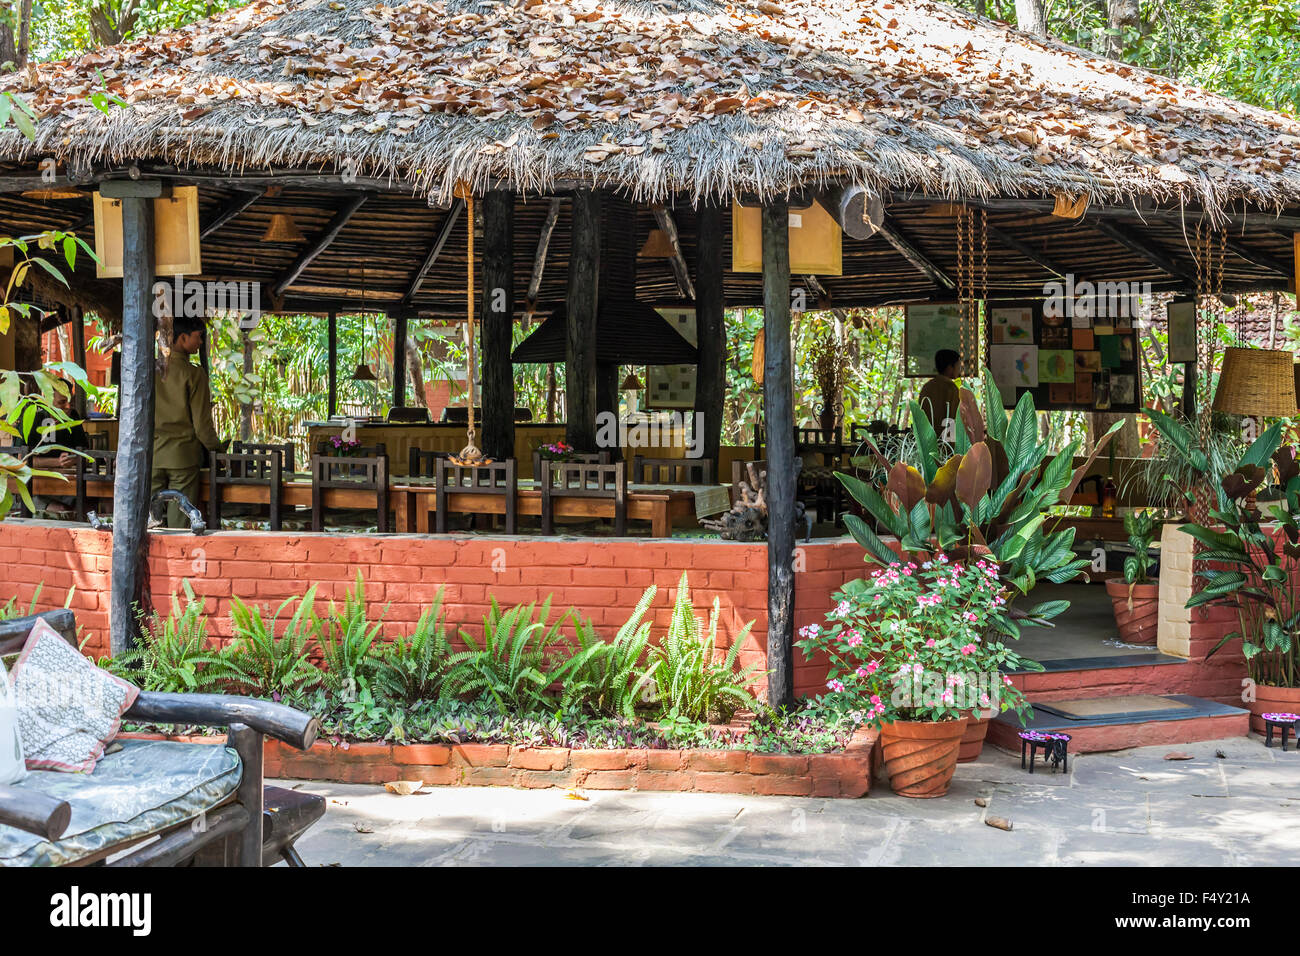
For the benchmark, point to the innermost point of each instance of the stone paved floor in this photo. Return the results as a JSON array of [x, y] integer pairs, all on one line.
[[1127, 808]]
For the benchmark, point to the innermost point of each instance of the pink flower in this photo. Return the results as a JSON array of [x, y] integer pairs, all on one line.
[[842, 609], [853, 638], [861, 672], [871, 667], [971, 616], [835, 685], [875, 699], [968, 649], [930, 642]]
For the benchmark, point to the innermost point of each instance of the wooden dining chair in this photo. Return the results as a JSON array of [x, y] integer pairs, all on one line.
[[424, 464], [497, 478], [264, 469], [98, 465], [672, 471], [352, 473], [596, 458], [569, 479], [284, 450]]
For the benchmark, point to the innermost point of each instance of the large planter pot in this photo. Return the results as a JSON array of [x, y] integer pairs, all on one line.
[[1138, 615], [920, 755], [1271, 700], [972, 740]]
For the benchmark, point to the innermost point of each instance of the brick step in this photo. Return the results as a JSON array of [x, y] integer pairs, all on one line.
[[1200, 720], [1152, 673]]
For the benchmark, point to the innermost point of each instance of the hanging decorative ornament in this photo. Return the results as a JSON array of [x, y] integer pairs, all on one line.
[[363, 372], [469, 455]]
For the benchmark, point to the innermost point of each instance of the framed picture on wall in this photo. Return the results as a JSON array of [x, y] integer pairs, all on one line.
[[1182, 332]]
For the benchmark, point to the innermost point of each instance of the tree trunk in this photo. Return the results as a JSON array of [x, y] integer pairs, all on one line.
[[415, 370], [496, 316], [246, 408], [710, 332], [109, 32], [15, 39], [582, 303], [1031, 17], [1119, 14]]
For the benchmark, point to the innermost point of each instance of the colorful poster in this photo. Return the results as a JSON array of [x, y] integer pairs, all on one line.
[[1182, 332], [1087, 361], [1055, 365], [1082, 339], [1123, 389], [1013, 367], [1011, 326], [1108, 346]]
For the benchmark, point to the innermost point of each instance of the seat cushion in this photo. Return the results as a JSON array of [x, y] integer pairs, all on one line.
[[147, 786]]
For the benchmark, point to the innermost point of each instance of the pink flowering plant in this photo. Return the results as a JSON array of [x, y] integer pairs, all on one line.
[[921, 643]]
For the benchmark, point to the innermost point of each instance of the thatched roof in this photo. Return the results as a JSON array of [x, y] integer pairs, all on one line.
[[659, 98]]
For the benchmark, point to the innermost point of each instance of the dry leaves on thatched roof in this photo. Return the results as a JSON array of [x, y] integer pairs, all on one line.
[[657, 97]]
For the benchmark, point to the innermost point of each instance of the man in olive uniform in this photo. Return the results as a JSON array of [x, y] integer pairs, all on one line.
[[182, 420], [940, 398]]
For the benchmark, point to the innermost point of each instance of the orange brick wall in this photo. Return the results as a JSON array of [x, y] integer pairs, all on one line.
[[602, 579]]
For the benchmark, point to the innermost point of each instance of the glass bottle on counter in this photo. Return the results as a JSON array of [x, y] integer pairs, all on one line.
[[1109, 494]]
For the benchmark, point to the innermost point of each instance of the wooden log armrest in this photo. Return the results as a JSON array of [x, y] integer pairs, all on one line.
[[219, 710], [34, 812]]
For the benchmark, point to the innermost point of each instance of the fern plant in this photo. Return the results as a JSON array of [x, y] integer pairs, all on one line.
[[608, 678], [173, 655], [411, 669], [347, 643], [691, 683], [263, 664], [511, 663]]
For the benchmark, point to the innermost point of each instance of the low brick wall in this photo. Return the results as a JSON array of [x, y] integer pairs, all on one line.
[[846, 774], [602, 578]]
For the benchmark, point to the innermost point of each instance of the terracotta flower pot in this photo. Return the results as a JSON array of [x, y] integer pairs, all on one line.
[[972, 741], [1138, 623], [920, 755], [1272, 700]]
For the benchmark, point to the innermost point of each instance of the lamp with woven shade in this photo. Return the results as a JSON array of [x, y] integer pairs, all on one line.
[[1296, 369], [282, 228], [1259, 383], [657, 246]]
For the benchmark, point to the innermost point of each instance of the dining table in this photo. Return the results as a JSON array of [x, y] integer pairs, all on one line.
[[413, 500]]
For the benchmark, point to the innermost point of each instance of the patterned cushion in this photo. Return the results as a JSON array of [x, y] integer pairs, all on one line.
[[12, 767], [68, 708], [147, 786]]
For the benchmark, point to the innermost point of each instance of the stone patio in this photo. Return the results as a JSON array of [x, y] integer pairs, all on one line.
[[1129, 808]]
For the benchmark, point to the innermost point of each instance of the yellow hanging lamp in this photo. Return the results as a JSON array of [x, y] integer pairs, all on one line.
[[471, 454]]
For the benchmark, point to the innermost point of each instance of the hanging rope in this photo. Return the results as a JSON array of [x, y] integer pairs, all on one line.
[[969, 310], [470, 454]]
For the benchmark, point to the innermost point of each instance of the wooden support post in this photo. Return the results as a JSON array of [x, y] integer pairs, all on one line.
[[496, 317], [778, 401], [245, 408], [79, 356], [399, 360], [710, 331], [131, 486], [607, 382], [580, 342], [333, 349]]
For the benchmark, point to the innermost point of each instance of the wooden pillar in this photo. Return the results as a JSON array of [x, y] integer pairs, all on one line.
[[134, 412], [496, 316], [333, 350], [580, 343], [79, 356], [710, 331], [607, 382], [778, 389], [399, 360], [245, 408]]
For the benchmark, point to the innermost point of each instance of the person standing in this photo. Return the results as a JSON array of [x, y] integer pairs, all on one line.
[[182, 420], [940, 398]]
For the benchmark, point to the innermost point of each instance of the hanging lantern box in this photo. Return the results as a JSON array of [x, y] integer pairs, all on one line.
[[175, 235], [816, 241]]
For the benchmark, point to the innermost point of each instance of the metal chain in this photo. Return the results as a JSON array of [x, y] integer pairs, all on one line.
[[984, 290], [470, 454]]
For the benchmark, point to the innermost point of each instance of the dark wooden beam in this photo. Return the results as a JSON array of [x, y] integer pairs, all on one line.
[[582, 305], [78, 330], [710, 330], [778, 404], [131, 487], [909, 251], [1026, 250], [399, 360], [333, 358], [1144, 248], [229, 210], [539, 258], [681, 273], [430, 257], [1262, 259], [496, 321], [321, 243]]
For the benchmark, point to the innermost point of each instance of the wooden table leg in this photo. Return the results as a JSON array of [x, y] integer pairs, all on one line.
[[660, 526], [421, 506], [402, 511]]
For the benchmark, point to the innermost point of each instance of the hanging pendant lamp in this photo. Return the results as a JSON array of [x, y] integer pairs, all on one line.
[[282, 228], [1258, 383], [364, 372]]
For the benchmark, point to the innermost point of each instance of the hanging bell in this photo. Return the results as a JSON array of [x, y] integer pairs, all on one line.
[[364, 373], [1257, 383]]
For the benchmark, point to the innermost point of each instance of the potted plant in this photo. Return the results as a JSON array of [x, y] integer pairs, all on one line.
[[1189, 458], [558, 451], [1135, 597], [1255, 555], [989, 499], [912, 652]]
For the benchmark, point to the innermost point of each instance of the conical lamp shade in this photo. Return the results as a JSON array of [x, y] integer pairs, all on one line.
[[363, 373], [1257, 382], [631, 384], [282, 228], [657, 246]]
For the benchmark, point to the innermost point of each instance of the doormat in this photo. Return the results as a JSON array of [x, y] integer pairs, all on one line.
[[1096, 708]]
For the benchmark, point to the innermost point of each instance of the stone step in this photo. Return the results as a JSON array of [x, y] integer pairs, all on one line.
[[1200, 720]]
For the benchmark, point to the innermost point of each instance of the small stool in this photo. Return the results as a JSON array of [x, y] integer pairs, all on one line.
[[1055, 747], [1284, 722]]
